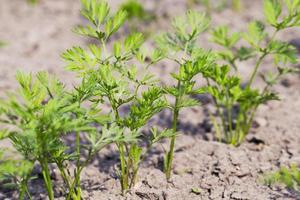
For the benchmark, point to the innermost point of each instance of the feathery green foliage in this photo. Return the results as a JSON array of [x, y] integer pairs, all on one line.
[[194, 61], [38, 121], [290, 177], [109, 77], [135, 10], [2, 44], [33, 2], [236, 105], [211, 5], [136, 14], [117, 95], [15, 173]]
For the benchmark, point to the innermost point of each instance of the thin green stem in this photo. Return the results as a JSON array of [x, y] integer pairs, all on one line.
[[170, 154], [218, 111], [260, 60], [78, 188], [77, 176], [22, 191], [229, 121], [47, 178], [65, 178], [28, 193], [124, 175], [258, 63], [121, 147]]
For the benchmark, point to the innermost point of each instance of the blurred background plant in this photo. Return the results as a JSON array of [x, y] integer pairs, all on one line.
[[136, 14], [216, 5], [237, 105], [15, 173], [288, 176], [2, 43], [33, 2]]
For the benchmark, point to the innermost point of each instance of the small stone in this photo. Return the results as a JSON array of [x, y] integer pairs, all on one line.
[[296, 43], [260, 122], [286, 83], [55, 175]]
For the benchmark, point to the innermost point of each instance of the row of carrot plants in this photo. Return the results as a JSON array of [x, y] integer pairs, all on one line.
[[38, 117]]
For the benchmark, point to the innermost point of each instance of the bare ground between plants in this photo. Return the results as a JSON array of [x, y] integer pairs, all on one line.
[[36, 36]]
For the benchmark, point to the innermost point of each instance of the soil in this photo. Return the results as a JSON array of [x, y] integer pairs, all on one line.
[[36, 37]]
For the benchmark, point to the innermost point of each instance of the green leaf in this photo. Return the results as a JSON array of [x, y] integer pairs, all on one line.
[[196, 191], [157, 136], [221, 36], [187, 102], [4, 134], [102, 11], [114, 23], [117, 50], [272, 10], [135, 10], [145, 108], [244, 53], [292, 5], [255, 34], [283, 52], [2, 44], [133, 42], [79, 60], [186, 29]]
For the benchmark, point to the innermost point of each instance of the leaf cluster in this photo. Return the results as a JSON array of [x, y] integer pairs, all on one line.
[[110, 78], [225, 85], [290, 177]]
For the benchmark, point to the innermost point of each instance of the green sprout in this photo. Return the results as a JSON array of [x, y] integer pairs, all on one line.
[[2, 43], [219, 5], [33, 2], [136, 14], [15, 173], [194, 61], [226, 89], [290, 177], [38, 118], [135, 10], [109, 77]]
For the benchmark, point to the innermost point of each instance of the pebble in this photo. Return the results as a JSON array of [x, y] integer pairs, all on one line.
[[296, 43], [260, 122]]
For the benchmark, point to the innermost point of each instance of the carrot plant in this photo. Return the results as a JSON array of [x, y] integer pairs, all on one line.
[[2, 44], [191, 62], [33, 2], [38, 119], [110, 78], [236, 4], [288, 176], [135, 10], [36, 122], [15, 173], [136, 14], [218, 5], [236, 105]]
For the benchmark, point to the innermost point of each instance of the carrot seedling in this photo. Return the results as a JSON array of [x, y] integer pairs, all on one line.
[[109, 77], [39, 117], [236, 105], [194, 61], [288, 176], [15, 173]]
